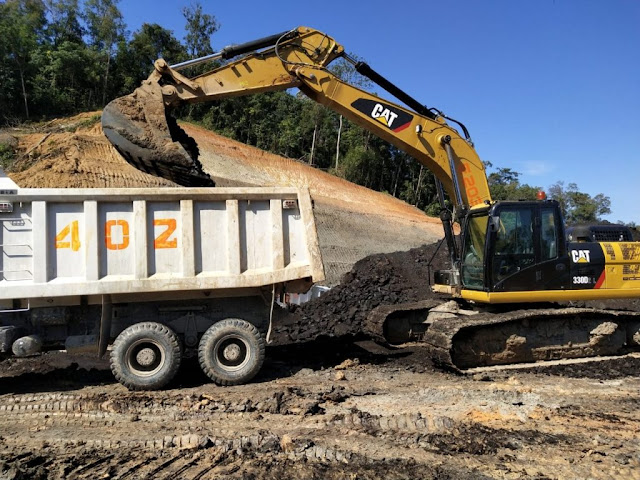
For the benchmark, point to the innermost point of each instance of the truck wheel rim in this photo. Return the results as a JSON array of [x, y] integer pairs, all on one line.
[[232, 353], [145, 357]]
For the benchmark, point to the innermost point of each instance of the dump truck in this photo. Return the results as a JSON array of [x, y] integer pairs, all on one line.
[[153, 275]]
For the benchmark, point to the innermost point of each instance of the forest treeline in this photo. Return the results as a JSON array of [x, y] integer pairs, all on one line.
[[61, 57]]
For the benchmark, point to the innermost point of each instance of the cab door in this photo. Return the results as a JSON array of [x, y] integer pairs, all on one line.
[[553, 262], [526, 247]]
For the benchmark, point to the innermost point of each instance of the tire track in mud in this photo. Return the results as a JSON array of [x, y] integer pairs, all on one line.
[[187, 464], [381, 420], [413, 433], [214, 463], [290, 401], [91, 467], [78, 412], [211, 464], [50, 414]]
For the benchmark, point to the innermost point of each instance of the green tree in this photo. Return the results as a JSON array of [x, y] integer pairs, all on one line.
[[361, 166], [346, 72], [417, 185], [105, 27], [66, 78], [134, 59], [22, 24], [504, 184], [64, 24], [200, 26], [577, 206]]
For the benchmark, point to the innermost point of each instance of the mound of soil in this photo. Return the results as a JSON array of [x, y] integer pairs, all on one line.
[[381, 279], [73, 153], [384, 279]]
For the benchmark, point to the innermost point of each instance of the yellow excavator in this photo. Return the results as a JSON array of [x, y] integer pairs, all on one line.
[[512, 259]]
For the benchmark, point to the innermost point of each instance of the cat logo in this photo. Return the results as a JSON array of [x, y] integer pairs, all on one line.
[[384, 115], [391, 117], [580, 256]]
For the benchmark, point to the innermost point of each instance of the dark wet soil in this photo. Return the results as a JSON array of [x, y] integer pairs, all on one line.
[[382, 279]]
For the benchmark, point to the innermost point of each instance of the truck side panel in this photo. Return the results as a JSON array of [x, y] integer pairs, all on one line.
[[107, 241]]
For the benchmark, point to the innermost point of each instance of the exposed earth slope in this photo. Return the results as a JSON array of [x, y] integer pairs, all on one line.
[[353, 222]]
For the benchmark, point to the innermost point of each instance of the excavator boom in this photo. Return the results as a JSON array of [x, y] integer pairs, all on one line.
[[140, 126]]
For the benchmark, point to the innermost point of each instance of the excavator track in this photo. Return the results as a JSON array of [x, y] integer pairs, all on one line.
[[532, 335], [401, 323], [465, 339]]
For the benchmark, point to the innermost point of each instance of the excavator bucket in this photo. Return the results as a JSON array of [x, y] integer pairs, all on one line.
[[139, 126]]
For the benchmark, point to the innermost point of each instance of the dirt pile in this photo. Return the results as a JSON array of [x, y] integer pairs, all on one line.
[[73, 153], [381, 279], [385, 279]]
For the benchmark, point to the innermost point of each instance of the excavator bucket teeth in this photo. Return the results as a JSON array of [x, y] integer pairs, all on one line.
[[149, 139]]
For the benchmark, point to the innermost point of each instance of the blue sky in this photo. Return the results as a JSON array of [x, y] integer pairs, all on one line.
[[549, 88]]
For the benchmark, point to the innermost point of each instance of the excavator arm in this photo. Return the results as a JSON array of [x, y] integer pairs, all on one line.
[[141, 128]]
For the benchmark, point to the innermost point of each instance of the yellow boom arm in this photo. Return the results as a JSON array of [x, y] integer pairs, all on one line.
[[299, 59]]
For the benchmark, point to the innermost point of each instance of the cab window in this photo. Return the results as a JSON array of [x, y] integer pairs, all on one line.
[[548, 234], [514, 244], [473, 255]]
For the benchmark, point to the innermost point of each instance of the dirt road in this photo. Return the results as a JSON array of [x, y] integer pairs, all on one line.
[[322, 410]]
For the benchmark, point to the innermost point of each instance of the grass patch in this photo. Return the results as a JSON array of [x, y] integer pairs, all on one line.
[[7, 156], [86, 123]]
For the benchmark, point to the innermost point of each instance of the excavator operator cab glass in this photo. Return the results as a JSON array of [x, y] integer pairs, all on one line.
[[473, 253], [514, 242], [548, 234]]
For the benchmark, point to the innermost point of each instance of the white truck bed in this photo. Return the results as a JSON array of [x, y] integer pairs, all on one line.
[[77, 242]]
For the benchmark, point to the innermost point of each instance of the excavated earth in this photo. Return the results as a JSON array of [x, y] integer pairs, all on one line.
[[325, 410], [335, 407], [352, 221]]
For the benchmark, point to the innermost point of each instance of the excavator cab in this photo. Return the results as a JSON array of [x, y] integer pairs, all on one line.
[[514, 246]]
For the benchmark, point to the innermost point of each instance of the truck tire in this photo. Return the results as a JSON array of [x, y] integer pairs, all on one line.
[[231, 351], [146, 356]]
